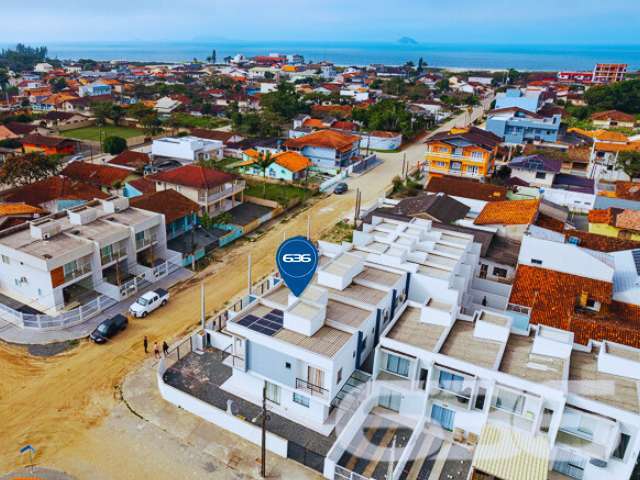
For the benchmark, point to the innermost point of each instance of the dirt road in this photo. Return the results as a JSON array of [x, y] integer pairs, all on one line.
[[59, 403], [54, 403]]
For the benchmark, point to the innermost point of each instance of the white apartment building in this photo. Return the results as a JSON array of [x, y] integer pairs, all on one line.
[[523, 402], [187, 149], [61, 261], [310, 350]]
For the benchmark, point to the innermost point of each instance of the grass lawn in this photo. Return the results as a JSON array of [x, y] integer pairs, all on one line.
[[191, 121], [281, 193], [93, 133]]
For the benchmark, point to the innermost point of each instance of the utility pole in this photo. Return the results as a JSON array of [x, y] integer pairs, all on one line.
[[203, 316], [263, 460], [309, 227]]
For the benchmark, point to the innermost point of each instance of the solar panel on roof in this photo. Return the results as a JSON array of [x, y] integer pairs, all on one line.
[[636, 259]]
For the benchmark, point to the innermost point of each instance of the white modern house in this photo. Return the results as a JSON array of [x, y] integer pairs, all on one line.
[[187, 149], [58, 263]]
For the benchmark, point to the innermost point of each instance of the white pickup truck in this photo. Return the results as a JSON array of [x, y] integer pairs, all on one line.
[[148, 302]]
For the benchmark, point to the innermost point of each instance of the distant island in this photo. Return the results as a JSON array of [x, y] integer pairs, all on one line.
[[407, 41]]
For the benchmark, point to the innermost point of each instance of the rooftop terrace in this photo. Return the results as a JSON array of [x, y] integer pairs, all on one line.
[[463, 345], [519, 361], [410, 330], [588, 382]]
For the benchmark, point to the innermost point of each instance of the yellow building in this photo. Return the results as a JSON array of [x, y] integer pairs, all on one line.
[[616, 223], [468, 152]]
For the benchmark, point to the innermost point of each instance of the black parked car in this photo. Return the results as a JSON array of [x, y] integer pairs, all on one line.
[[108, 328], [341, 188]]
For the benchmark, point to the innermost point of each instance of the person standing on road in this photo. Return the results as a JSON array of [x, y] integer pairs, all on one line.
[[165, 349], [156, 350], [145, 342]]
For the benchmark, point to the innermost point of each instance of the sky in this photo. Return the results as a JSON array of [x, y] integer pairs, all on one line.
[[427, 21]]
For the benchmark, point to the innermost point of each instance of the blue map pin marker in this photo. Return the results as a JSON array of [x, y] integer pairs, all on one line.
[[297, 260]]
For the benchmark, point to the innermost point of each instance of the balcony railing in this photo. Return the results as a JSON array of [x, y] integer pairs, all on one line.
[[311, 388], [453, 156], [145, 241], [460, 399], [118, 255], [236, 188], [78, 272]]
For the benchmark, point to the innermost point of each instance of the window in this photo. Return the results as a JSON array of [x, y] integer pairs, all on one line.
[[450, 381], [5, 259], [547, 415], [287, 365], [477, 156], [621, 449], [273, 393], [339, 377], [500, 272], [301, 400], [480, 396], [541, 175], [509, 401], [397, 365], [536, 261]]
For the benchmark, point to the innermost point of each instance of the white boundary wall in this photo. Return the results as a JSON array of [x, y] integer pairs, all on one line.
[[218, 417]]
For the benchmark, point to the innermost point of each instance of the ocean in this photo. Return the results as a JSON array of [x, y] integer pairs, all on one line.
[[523, 57]]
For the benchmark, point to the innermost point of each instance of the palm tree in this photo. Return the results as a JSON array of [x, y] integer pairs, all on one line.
[[263, 162]]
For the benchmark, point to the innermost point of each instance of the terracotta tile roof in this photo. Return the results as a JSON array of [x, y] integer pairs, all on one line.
[[617, 147], [5, 133], [550, 223], [510, 212], [18, 209], [193, 176], [342, 109], [100, 175], [292, 161], [131, 158], [474, 135], [42, 141], [314, 123], [168, 202], [324, 139], [628, 190], [600, 243], [552, 297], [615, 115], [466, 188], [629, 220], [383, 134], [143, 185], [53, 188], [213, 134], [347, 126], [607, 216], [20, 128], [601, 135]]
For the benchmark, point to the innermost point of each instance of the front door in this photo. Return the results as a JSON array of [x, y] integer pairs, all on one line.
[[443, 417], [484, 268], [390, 400]]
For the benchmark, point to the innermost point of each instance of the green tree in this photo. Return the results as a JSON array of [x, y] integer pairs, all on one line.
[[284, 101], [58, 84], [624, 96], [263, 162], [101, 112], [151, 123], [116, 114], [22, 57], [114, 145], [629, 163], [29, 168]]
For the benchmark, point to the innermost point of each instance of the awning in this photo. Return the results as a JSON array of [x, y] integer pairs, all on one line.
[[511, 454]]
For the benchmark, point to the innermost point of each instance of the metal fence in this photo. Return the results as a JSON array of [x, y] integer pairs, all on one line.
[[178, 352], [64, 320], [342, 473]]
